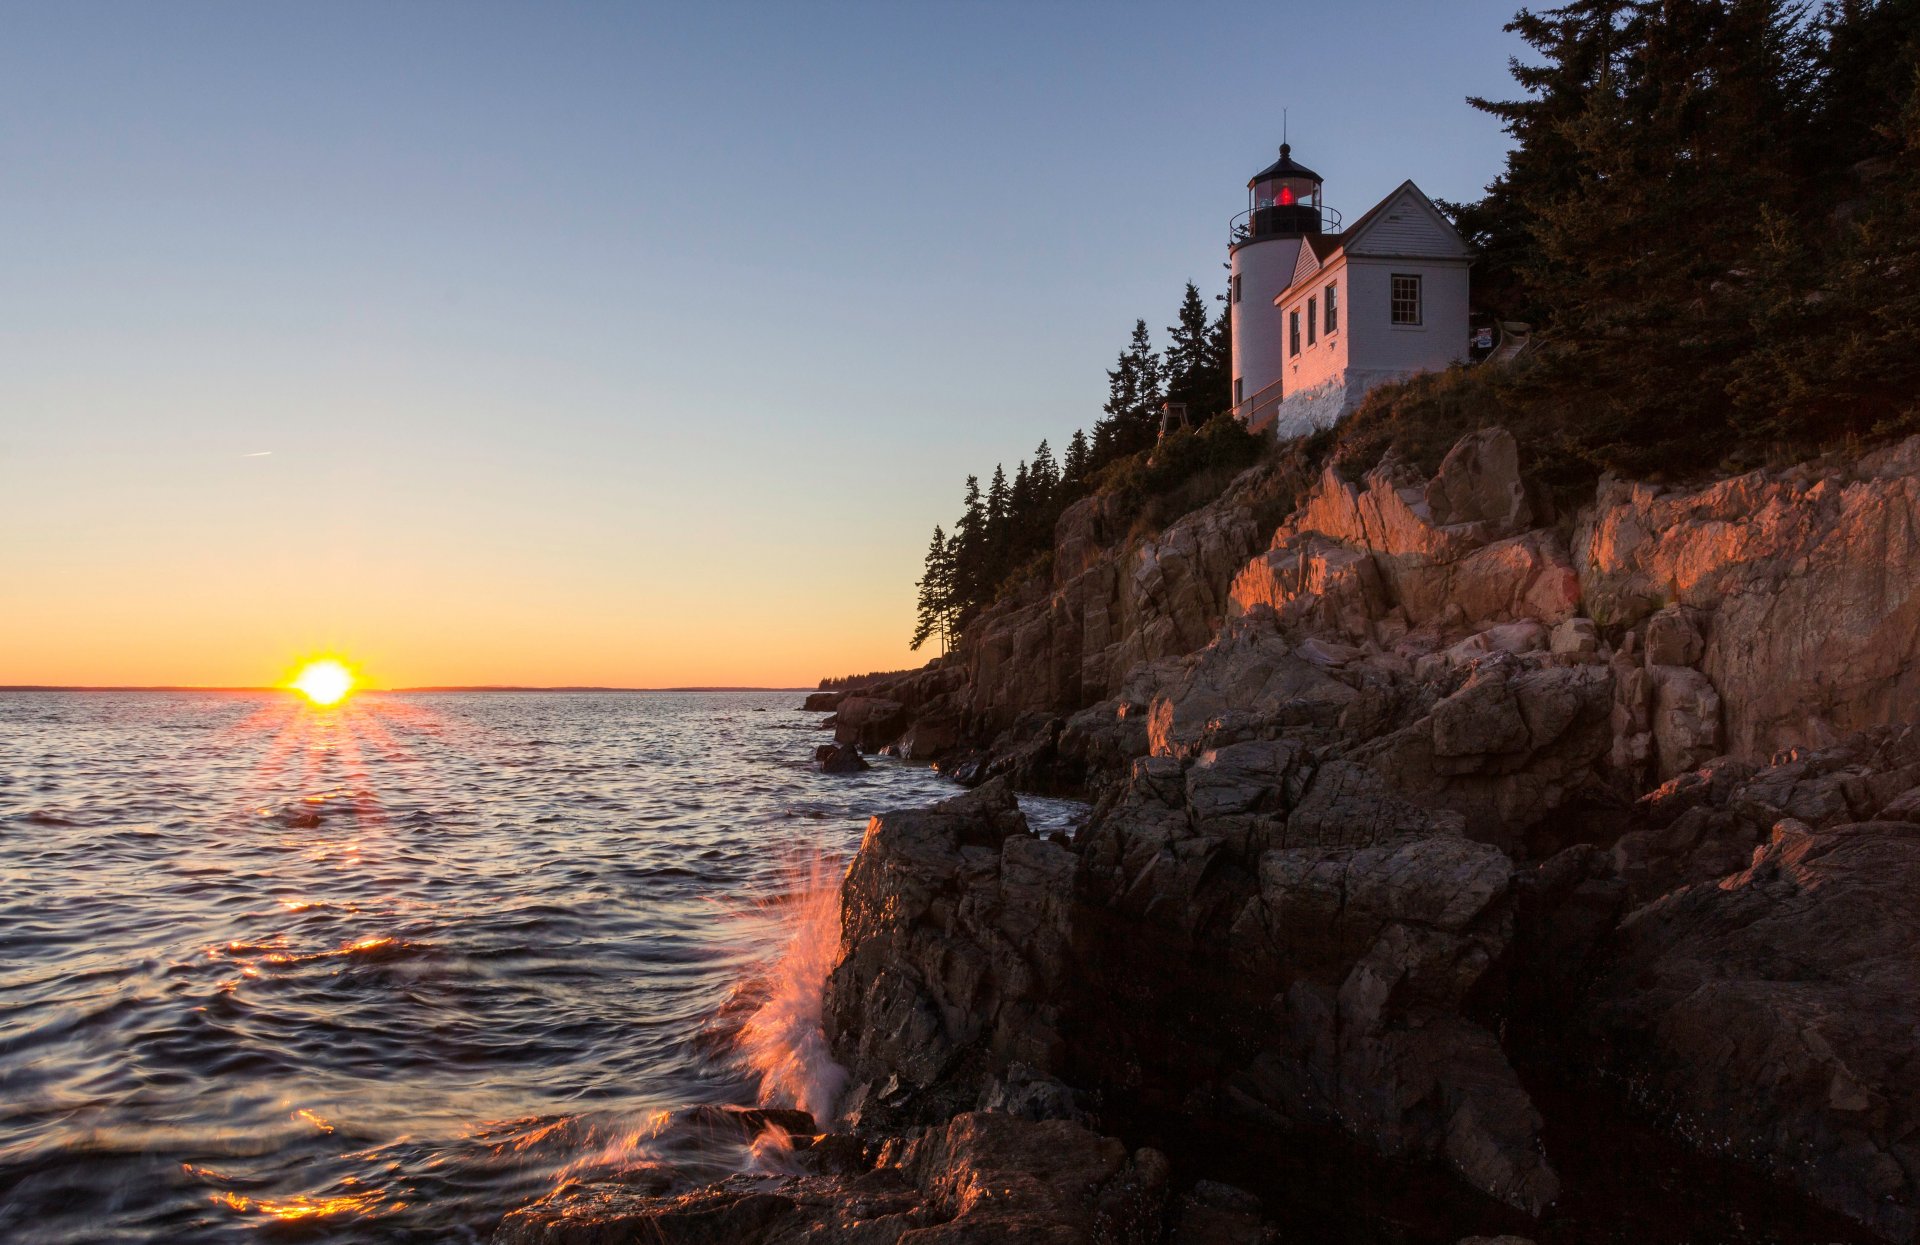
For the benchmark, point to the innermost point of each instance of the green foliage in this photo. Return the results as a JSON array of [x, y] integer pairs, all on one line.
[[1134, 394], [939, 606], [1711, 213]]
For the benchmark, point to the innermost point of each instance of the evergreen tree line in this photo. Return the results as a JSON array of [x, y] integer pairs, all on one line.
[[1004, 527], [1711, 212]]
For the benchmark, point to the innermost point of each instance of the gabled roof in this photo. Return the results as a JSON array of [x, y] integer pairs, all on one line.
[[1305, 264], [1441, 240]]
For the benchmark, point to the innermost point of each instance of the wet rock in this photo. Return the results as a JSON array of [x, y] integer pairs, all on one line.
[[839, 759], [993, 1177], [978, 1178], [955, 921], [869, 722]]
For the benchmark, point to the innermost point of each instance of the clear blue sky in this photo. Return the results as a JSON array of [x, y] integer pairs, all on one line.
[[608, 343]]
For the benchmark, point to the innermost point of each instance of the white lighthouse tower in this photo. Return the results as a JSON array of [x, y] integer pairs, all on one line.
[[1283, 210]]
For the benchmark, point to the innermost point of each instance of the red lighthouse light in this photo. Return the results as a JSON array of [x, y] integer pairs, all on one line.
[[1286, 196]]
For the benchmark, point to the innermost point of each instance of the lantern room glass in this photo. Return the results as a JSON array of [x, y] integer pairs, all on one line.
[[1286, 192]]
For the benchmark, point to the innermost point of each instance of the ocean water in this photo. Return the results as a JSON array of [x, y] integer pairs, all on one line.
[[381, 973]]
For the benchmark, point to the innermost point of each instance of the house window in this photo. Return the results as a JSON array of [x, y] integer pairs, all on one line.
[[1405, 301], [1236, 287], [1333, 307], [1293, 331], [1238, 397], [1313, 321]]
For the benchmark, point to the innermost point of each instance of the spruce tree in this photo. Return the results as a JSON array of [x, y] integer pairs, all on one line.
[[1217, 398], [1045, 477], [1134, 393], [935, 615], [1189, 366], [1020, 510], [969, 554], [1075, 468], [999, 533]]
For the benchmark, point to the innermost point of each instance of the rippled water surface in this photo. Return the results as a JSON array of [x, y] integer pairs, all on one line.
[[382, 972]]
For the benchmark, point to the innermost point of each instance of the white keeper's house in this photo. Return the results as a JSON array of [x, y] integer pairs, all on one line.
[[1322, 314]]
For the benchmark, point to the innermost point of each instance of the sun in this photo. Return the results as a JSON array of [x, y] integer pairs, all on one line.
[[324, 682]]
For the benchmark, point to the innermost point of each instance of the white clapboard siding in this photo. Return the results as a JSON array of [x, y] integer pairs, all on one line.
[[1406, 225]]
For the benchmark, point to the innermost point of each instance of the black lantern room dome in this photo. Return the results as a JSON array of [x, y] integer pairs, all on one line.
[[1285, 166], [1284, 198]]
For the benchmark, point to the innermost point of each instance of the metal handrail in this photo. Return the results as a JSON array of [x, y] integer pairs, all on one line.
[[1246, 406], [1239, 229]]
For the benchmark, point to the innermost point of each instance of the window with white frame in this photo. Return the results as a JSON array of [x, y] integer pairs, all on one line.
[[1293, 331], [1333, 307], [1405, 298], [1313, 320]]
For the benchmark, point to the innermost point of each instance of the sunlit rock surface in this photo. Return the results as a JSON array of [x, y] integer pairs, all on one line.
[[1404, 790]]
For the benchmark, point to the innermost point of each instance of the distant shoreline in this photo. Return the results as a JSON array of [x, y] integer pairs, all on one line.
[[55, 687]]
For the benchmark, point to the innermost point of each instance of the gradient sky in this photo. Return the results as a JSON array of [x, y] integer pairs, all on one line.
[[608, 344]]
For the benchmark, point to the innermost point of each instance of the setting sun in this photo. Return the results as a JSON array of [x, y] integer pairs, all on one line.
[[323, 682]]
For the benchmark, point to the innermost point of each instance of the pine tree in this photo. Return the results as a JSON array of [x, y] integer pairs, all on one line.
[[1020, 511], [1189, 366], [1134, 394], [1045, 477], [1077, 465], [969, 553], [936, 608], [999, 533], [1581, 45], [1219, 399]]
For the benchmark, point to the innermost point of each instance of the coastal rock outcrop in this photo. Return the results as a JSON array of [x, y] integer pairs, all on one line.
[[956, 926], [1354, 924], [1805, 583], [1769, 1003], [1384, 781]]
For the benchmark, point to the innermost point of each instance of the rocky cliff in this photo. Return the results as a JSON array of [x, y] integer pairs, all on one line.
[[1455, 865]]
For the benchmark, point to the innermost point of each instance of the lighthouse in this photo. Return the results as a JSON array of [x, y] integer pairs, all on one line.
[[1283, 210], [1322, 314]]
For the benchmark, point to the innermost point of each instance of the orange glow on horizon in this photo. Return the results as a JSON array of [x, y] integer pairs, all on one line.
[[325, 682]]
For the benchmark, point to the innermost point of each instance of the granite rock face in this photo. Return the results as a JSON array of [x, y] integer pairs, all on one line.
[[955, 926], [1769, 1003], [1806, 584], [1359, 922]]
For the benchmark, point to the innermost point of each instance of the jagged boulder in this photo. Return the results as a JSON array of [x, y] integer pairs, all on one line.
[[869, 722], [1361, 923], [1250, 681], [1479, 482], [1509, 746], [955, 933]]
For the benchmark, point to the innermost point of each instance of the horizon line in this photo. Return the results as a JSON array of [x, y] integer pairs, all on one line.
[[451, 687]]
